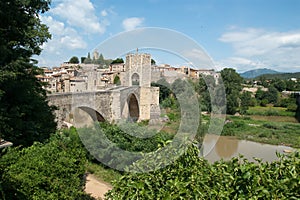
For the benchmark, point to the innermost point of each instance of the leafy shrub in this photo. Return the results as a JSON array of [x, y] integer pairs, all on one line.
[[105, 141], [230, 128], [54, 170], [192, 177]]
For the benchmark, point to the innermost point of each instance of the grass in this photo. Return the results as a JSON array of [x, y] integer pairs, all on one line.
[[274, 118], [269, 111], [264, 131], [103, 173]]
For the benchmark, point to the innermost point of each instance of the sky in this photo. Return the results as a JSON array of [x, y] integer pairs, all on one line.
[[241, 34]]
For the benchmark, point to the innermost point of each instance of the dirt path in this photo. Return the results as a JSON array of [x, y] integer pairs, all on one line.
[[95, 187]]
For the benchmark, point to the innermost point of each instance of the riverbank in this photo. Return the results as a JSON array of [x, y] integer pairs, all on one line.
[[276, 130]]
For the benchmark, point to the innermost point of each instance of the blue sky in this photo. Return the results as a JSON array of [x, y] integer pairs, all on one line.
[[242, 34]]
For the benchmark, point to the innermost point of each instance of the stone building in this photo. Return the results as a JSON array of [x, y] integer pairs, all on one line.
[[137, 70]]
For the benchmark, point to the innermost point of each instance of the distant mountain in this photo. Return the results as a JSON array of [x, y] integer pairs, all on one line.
[[284, 76], [258, 72]]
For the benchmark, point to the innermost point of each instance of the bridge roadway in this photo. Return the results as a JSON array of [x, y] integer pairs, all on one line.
[[112, 104]]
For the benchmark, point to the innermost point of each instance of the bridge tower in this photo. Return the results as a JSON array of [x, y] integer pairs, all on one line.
[[138, 73], [137, 70]]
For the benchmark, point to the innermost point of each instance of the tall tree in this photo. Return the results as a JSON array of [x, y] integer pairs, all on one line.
[[24, 112], [245, 101], [233, 85]]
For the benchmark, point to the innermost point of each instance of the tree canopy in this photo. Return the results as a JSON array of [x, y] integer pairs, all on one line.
[[233, 85], [74, 60], [24, 112], [118, 60]]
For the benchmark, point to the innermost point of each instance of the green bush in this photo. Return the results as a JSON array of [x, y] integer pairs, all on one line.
[[54, 170], [192, 177], [230, 128], [105, 141]]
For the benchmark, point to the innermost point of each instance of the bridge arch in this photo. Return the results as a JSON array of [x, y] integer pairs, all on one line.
[[133, 107], [85, 116], [95, 115]]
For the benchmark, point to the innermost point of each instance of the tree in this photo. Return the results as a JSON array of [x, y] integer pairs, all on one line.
[[118, 60], [117, 80], [279, 84], [233, 85], [74, 60], [153, 62], [25, 116], [245, 101], [82, 59], [272, 95]]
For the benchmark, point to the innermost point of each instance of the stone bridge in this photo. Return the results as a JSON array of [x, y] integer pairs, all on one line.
[[133, 103]]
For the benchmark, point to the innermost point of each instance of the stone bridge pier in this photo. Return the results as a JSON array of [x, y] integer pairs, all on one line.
[[121, 103]]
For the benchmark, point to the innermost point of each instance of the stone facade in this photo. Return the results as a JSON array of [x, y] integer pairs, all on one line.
[[137, 70]]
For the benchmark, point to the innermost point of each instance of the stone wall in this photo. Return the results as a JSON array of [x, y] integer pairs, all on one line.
[[137, 64], [111, 104]]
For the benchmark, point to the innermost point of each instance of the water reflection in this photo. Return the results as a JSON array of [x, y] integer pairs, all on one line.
[[227, 147]]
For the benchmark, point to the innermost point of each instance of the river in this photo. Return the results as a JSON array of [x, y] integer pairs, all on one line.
[[225, 147]]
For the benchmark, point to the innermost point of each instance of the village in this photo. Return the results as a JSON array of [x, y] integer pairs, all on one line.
[[80, 77]]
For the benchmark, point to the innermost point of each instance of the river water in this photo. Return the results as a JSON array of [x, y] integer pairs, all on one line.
[[225, 147]]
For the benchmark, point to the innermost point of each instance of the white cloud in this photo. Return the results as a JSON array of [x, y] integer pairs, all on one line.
[[260, 48], [62, 36], [80, 13], [104, 13], [242, 64], [199, 58], [132, 23], [64, 41]]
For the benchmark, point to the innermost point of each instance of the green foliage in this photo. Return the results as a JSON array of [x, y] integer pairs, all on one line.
[[272, 95], [233, 85], [54, 170], [74, 60], [230, 128], [202, 89], [105, 139], [101, 61], [245, 100], [21, 31], [118, 60], [153, 62], [164, 89], [192, 177], [279, 84], [117, 80], [283, 76], [24, 112], [269, 111], [269, 129], [232, 80], [232, 103], [102, 172]]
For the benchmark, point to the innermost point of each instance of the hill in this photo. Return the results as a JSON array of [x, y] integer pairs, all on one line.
[[284, 76], [258, 72]]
